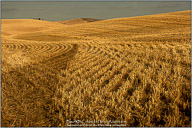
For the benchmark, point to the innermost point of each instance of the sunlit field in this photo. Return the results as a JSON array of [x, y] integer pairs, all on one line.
[[135, 69]]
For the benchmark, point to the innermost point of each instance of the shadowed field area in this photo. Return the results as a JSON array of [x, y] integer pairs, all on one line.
[[135, 69], [78, 21]]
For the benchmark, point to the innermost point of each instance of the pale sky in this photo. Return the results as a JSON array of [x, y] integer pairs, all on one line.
[[58, 11]]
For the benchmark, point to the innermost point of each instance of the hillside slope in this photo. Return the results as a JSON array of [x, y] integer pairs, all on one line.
[[167, 26], [11, 27]]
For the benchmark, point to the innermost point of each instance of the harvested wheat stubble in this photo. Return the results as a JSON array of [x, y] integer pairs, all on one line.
[[135, 69]]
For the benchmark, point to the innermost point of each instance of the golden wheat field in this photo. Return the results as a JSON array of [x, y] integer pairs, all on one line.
[[136, 70]]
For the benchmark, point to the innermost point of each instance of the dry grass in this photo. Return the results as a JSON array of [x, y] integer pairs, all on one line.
[[134, 69]]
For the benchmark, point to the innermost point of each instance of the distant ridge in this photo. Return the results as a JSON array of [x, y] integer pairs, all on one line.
[[78, 21]]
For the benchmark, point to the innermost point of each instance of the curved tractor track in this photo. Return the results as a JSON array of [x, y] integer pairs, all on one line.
[[55, 55], [28, 88], [91, 81]]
